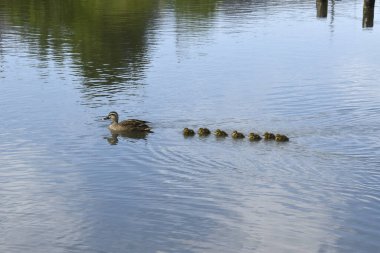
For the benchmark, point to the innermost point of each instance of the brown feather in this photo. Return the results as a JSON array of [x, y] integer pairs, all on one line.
[[135, 125]]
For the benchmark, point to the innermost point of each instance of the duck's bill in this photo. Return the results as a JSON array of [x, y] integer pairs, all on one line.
[[108, 117]]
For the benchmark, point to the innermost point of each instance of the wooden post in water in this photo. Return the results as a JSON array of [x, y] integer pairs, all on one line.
[[322, 8], [368, 13]]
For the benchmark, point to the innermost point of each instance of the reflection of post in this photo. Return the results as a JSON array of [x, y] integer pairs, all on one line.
[[322, 8], [368, 13], [332, 11]]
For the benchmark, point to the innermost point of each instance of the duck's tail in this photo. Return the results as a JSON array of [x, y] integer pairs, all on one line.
[[148, 130]]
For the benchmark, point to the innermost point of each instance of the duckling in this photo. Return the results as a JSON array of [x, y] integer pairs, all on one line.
[[203, 132], [237, 135], [220, 133], [269, 136], [281, 138], [130, 125], [254, 137], [188, 132]]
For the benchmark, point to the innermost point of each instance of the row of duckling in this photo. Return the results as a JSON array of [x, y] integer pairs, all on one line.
[[187, 132]]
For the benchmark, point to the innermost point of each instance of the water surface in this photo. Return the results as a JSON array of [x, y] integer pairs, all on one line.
[[68, 185]]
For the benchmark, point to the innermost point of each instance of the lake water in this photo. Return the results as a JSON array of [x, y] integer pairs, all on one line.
[[68, 185]]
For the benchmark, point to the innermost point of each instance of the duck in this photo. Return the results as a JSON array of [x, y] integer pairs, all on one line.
[[130, 125], [188, 132], [254, 137], [269, 136], [281, 138], [204, 132], [237, 135], [220, 133]]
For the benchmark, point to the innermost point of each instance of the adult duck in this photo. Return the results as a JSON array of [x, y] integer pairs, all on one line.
[[129, 125]]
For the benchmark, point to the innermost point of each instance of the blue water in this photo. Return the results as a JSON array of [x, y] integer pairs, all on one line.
[[68, 185]]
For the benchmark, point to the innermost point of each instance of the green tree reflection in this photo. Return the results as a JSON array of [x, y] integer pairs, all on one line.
[[106, 39]]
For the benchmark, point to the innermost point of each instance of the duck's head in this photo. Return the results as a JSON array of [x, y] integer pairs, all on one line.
[[113, 116]]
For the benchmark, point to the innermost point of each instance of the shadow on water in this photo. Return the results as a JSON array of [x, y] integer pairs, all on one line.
[[368, 13], [131, 136]]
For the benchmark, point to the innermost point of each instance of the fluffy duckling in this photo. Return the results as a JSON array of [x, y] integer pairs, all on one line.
[[254, 137], [188, 132], [237, 135], [269, 136], [220, 133], [203, 132], [281, 138]]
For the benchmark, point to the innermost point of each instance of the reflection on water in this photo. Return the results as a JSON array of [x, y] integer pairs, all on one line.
[[114, 138], [105, 41], [247, 65]]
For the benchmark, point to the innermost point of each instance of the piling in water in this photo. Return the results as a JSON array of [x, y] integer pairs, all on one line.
[[368, 13], [322, 8]]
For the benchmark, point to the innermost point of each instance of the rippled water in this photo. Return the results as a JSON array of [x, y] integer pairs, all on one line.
[[68, 185]]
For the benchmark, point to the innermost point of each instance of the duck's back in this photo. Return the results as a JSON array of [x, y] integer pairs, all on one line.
[[134, 125]]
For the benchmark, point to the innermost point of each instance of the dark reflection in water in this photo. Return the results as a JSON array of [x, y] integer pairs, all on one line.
[[106, 40], [332, 13], [368, 13], [195, 10], [114, 138], [322, 8]]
